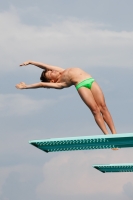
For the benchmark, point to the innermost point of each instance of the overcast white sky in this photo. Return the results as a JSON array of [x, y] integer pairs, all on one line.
[[96, 36]]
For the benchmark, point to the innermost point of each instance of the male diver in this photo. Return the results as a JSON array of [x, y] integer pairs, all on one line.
[[88, 89]]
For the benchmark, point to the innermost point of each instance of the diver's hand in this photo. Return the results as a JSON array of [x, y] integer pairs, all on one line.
[[25, 63], [21, 86]]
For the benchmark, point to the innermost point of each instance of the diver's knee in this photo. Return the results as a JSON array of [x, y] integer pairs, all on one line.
[[103, 108], [95, 111]]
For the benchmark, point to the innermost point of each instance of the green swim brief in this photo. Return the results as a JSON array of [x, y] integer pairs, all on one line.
[[85, 83]]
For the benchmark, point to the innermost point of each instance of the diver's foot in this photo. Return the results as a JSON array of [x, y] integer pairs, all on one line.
[[115, 148]]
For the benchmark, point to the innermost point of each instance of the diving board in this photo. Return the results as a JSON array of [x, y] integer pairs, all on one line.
[[127, 167], [85, 142]]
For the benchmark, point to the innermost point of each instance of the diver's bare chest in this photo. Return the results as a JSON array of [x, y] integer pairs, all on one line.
[[65, 77]]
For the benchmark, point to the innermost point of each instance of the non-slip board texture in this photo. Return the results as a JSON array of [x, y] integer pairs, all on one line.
[[85, 142], [126, 167]]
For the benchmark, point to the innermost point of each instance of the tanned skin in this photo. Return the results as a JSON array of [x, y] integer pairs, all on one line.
[[60, 78]]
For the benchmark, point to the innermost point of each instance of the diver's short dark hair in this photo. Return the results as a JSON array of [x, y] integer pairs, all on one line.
[[43, 77]]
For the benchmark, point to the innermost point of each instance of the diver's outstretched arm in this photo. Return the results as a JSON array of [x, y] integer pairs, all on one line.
[[22, 85], [42, 65]]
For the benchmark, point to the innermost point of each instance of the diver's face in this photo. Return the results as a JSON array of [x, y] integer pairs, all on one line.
[[52, 75]]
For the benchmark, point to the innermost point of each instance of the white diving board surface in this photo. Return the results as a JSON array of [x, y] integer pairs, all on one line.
[[85, 142], [126, 167]]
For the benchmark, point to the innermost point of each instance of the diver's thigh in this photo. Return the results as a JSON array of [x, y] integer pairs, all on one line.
[[97, 94], [87, 97]]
